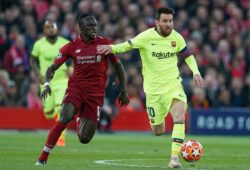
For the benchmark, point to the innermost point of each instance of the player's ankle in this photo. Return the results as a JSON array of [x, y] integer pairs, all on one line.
[[44, 156]]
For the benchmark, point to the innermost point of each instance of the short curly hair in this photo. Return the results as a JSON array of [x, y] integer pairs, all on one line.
[[163, 10]]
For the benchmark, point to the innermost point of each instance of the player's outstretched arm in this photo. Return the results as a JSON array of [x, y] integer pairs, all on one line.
[[198, 80], [123, 96], [48, 77], [104, 49], [191, 62], [116, 49]]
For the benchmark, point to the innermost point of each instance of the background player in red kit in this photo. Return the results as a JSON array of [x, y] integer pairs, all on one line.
[[86, 87]]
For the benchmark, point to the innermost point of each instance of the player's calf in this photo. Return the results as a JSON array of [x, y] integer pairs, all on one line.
[[86, 130]]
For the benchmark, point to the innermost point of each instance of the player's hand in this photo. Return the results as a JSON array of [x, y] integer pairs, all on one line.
[[46, 91], [123, 98], [199, 81], [104, 49]]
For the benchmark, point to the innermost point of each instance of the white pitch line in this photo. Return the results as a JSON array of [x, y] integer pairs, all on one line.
[[113, 162]]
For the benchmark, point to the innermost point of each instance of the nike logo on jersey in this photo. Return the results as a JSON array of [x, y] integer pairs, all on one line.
[[153, 44]]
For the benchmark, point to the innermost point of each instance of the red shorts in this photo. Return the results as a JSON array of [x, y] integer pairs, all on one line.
[[86, 105]]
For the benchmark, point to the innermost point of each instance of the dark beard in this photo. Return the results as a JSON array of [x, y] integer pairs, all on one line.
[[52, 37], [87, 37]]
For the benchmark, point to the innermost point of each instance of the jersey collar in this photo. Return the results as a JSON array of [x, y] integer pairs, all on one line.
[[160, 34]]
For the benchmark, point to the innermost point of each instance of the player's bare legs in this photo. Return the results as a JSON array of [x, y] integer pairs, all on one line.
[[177, 110], [68, 111], [86, 130], [158, 129]]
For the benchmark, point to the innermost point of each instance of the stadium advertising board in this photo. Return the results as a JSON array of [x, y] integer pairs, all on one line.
[[219, 121]]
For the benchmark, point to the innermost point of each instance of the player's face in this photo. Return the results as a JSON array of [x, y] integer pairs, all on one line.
[[88, 27], [50, 29], [165, 24]]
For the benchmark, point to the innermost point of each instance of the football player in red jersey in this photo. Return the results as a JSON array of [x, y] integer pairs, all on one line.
[[85, 92]]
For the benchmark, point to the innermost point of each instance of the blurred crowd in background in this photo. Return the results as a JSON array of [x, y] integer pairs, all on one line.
[[217, 32]]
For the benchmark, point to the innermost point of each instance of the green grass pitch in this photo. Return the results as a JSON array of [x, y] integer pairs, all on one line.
[[120, 151]]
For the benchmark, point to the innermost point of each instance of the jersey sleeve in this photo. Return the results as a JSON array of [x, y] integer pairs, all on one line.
[[181, 43], [35, 50], [64, 54], [138, 41], [134, 43]]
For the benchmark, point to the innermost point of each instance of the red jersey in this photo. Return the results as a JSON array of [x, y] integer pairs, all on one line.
[[90, 68]]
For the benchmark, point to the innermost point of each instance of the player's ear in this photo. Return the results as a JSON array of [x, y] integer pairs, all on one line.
[[55, 27], [156, 22]]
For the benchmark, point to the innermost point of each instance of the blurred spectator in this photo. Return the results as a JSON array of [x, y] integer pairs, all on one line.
[[40, 8], [97, 8], [12, 98], [25, 86], [68, 28], [12, 18], [238, 65], [30, 33], [212, 85], [187, 80], [223, 52], [237, 93], [199, 99], [224, 98], [247, 90], [4, 86], [135, 103], [4, 44], [16, 63], [217, 32], [8, 91], [33, 100], [16, 58]]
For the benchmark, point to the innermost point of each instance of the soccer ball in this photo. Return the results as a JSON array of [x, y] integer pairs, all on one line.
[[191, 151]]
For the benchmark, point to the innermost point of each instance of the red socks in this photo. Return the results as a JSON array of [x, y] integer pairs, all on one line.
[[44, 156], [54, 134], [52, 138]]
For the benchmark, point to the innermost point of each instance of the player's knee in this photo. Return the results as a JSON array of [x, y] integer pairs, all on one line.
[[84, 139], [67, 113], [178, 112], [66, 118], [86, 131], [180, 118]]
